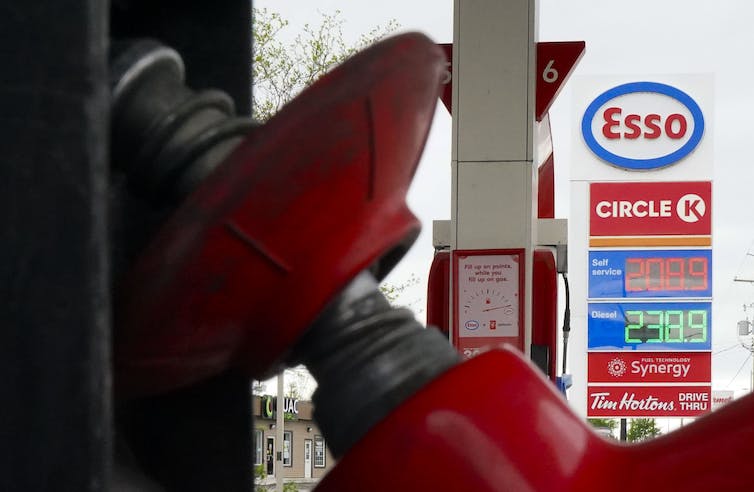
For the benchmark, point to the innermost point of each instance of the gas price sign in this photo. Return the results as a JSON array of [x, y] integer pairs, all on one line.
[[620, 274], [650, 326]]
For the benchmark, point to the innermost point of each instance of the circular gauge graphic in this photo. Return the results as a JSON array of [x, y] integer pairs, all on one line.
[[487, 300], [488, 311]]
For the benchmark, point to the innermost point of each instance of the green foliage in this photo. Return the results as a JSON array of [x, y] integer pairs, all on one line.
[[393, 291], [260, 473], [642, 429], [280, 71], [604, 427], [604, 423]]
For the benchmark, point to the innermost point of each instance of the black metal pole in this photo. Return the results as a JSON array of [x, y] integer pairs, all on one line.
[[623, 430], [196, 438], [55, 422]]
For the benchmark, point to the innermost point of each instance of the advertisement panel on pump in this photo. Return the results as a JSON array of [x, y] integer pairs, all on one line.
[[488, 299]]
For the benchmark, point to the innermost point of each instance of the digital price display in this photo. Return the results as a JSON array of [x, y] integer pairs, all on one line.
[[650, 326], [668, 325], [650, 273]]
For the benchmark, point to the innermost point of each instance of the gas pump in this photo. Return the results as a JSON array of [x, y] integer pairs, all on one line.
[[482, 192], [545, 282]]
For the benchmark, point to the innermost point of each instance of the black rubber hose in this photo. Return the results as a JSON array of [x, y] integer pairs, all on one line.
[[367, 358]]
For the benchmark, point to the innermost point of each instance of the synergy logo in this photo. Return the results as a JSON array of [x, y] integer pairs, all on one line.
[[616, 367], [675, 367], [642, 126]]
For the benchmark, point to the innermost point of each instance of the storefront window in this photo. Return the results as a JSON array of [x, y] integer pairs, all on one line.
[[258, 450], [287, 439], [319, 452]]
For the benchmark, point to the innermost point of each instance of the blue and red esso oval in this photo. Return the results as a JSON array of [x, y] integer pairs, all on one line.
[[641, 126]]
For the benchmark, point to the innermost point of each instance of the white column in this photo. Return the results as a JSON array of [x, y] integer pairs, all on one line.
[[494, 177], [279, 426]]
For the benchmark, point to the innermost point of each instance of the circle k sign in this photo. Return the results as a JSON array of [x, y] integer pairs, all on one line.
[[641, 126], [689, 208], [650, 208]]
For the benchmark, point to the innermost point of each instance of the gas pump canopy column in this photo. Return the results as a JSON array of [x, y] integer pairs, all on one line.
[[494, 175]]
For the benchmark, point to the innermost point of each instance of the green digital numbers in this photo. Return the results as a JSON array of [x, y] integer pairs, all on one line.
[[668, 326]]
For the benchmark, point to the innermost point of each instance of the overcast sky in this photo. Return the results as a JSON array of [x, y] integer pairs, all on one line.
[[622, 38]]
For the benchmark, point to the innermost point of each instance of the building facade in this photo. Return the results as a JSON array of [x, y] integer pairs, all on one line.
[[306, 457]]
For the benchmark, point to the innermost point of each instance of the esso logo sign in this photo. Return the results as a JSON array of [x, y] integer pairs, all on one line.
[[642, 125]]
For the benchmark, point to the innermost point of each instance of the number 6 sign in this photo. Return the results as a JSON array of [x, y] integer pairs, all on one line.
[[554, 64]]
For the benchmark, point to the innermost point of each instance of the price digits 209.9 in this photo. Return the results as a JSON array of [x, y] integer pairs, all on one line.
[[657, 326], [666, 274]]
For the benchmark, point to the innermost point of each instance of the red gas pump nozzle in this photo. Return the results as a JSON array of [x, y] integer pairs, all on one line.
[[269, 230]]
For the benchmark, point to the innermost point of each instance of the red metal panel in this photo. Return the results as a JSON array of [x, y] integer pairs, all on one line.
[[438, 292], [555, 61], [447, 89], [544, 322], [546, 192]]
